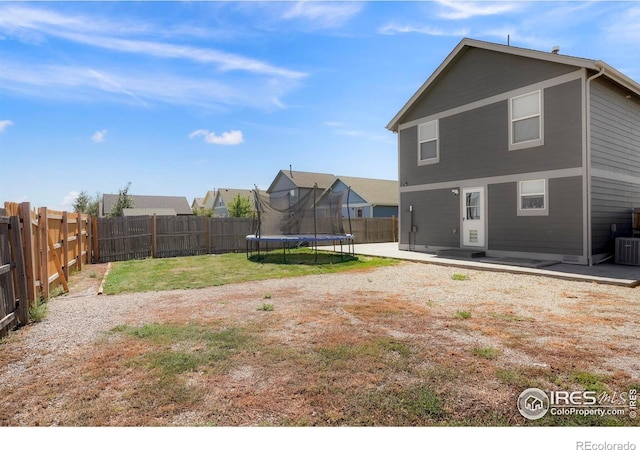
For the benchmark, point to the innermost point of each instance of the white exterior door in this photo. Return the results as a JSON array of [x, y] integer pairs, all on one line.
[[473, 220]]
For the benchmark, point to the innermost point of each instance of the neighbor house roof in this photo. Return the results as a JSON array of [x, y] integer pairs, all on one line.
[[590, 64], [305, 179], [197, 203], [179, 204], [228, 195], [376, 192]]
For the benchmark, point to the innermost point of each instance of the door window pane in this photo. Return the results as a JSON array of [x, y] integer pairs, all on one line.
[[473, 206]]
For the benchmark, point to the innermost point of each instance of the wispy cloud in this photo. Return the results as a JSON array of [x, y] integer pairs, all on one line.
[[262, 84], [226, 138], [456, 10], [4, 124], [99, 136], [394, 28], [323, 14], [343, 129]]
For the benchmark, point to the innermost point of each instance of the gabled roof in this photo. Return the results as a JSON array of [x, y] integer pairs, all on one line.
[[179, 204], [376, 192], [228, 195], [305, 179], [594, 65], [198, 202]]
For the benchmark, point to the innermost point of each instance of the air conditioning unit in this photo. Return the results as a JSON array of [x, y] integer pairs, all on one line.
[[628, 251]]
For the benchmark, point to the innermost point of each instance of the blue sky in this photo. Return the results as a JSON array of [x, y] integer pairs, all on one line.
[[179, 98]]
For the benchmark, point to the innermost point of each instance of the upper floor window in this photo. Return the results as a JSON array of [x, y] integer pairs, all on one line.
[[525, 127], [428, 148], [532, 198]]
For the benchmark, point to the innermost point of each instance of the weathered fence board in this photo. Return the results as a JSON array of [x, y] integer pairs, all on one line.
[[370, 230], [14, 303], [123, 238], [180, 236], [229, 235]]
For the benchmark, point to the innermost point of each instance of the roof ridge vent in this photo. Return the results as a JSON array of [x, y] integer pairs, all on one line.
[[555, 50]]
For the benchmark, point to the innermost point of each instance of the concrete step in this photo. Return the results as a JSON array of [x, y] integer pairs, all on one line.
[[460, 253]]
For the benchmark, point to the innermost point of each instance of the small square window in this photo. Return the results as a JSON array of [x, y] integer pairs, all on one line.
[[428, 151], [532, 198]]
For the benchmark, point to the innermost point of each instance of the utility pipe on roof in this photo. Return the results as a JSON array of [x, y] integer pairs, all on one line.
[[599, 65]]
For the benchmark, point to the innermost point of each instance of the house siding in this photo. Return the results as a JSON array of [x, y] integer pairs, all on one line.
[[385, 211], [615, 163], [560, 232], [479, 138], [477, 74], [436, 214], [611, 203]]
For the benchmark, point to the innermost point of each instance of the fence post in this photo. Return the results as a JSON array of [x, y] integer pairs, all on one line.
[[20, 275], [44, 250], [207, 222], [79, 239], [153, 236], [393, 228], [96, 241], [24, 211], [65, 245]]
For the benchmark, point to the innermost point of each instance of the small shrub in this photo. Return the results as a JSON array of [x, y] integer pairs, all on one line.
[[38, 311], [459, 277], [267, 296], [462, 315], [266, 307]]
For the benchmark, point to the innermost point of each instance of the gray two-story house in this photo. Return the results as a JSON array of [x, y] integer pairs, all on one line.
[[519, 153]]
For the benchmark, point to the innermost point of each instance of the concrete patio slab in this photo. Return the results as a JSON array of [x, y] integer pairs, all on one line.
[[604, 273]]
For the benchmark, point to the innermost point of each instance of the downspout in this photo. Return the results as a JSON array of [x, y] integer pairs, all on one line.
[[588, 161]]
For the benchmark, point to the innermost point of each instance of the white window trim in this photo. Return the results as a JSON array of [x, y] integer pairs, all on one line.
[[534, 142], [534, 212], [424, 162]]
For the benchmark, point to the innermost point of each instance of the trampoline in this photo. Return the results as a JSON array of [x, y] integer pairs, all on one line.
[[314, 219]]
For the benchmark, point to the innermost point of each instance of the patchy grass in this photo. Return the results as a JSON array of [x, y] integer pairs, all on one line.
[[462, 315], [194, 272], [486, 352], [266, 307], [459, 277]]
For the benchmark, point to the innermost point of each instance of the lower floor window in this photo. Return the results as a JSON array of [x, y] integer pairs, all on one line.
[[532, 197]]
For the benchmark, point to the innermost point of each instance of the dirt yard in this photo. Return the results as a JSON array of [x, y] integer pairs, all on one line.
[[408, 345]]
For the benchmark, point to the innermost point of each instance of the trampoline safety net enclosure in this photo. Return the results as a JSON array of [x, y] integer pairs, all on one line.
[[286, 221]]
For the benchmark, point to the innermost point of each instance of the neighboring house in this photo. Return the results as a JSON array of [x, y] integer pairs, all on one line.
[[368, 197], [144, 205], [288, 186], [519, 153], [197, 204], [225, 196], [209, 200]]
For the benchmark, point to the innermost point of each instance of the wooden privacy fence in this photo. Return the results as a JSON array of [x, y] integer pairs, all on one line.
[[54, 243], [373, 229], [136, 237], [14, 305]]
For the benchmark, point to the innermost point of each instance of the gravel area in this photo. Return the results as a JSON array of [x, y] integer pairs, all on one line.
[[548, 315]]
